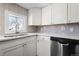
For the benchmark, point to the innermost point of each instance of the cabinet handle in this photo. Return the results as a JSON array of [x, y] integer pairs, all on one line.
[[24, 44], [65, 44]]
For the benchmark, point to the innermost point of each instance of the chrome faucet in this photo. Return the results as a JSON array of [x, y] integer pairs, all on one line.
[[16, 27]]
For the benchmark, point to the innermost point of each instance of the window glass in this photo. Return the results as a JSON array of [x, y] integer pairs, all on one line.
[[15, 23], [20, 23], [12, 22]]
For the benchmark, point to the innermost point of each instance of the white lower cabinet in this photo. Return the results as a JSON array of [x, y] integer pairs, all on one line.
[[14, 51], [30, 47], [25, 47], [43, 46]]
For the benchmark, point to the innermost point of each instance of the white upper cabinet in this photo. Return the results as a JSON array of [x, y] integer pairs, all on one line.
[[46, 15], [59, 13], [56, 13], [73, 12], [34, 16]]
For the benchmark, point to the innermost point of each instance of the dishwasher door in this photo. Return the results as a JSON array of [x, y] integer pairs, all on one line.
[[59, 49], [63, 49], [54, 48]]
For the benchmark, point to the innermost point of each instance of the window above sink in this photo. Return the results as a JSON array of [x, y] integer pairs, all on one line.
[[14, 22]]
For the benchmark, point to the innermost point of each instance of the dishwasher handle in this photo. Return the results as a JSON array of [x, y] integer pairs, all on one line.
[[63, 49], [65, 44]]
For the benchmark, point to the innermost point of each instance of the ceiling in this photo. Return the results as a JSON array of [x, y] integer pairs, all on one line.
[[31, 5]]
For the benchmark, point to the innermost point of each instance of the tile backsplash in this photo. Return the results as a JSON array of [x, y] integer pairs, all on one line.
[[66, 29]]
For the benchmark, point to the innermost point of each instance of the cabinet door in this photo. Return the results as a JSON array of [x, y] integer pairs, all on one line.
[[73, 12], [46, 15], [59, 13], [43, 46], [14, 51], [1, 54], [34, 17], [30, 47]]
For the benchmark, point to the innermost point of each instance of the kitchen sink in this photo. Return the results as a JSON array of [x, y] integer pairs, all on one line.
[[8, 36], [14, 35]]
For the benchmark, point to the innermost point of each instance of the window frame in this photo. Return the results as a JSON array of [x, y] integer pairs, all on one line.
[[7, 13]]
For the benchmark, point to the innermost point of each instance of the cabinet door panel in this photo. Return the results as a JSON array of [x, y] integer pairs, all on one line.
[[30, 50], [15, 51], [34, 16], [30, 17], [37, 15], [30, 47], [46, 15], [73, 12], [43, 46], [59, 13]]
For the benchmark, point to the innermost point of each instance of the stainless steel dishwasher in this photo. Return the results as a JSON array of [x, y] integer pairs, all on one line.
[[59, 47], [64, 47]]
